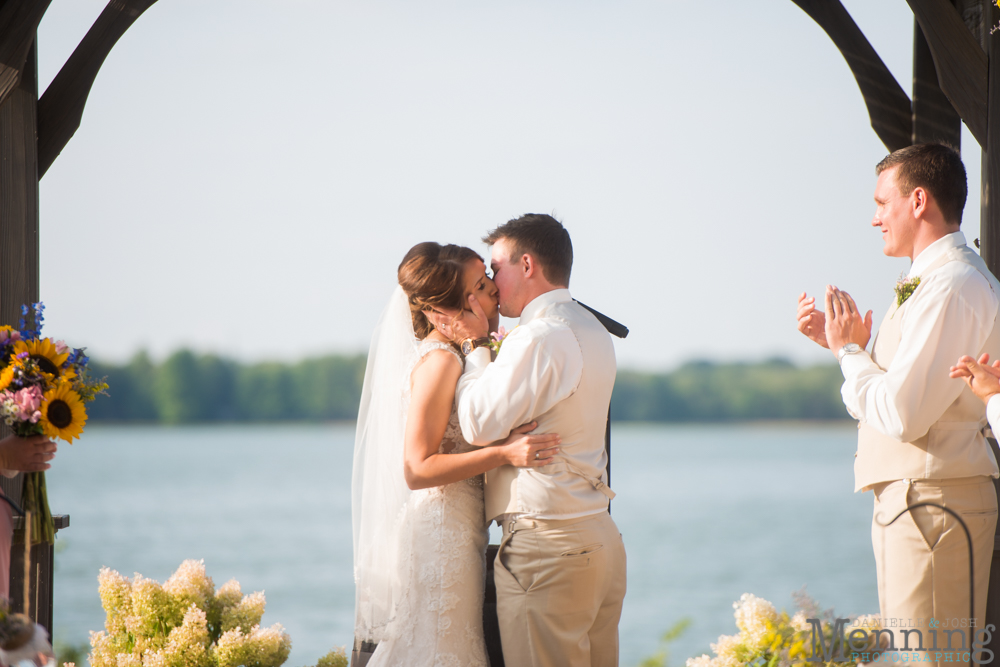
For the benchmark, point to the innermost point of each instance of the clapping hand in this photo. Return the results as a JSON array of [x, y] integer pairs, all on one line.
[[983, 379], [812, 322], [844, 323]]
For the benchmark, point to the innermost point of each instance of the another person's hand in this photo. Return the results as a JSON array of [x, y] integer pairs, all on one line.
[[812, 322], [528, 451], [459, 325], [982, 378], [30, 454], [844, 323]]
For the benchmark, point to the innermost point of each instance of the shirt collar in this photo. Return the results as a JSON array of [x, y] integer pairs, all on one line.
[[932, 252], [541, 302]]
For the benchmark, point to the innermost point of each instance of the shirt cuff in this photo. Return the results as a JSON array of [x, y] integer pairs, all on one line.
[[993, 414], [852, 364], [478, 360]]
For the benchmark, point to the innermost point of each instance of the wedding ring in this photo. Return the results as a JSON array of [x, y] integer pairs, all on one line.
[[536, 456]]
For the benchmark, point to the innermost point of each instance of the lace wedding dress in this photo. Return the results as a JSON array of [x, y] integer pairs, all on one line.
[[441, 551]]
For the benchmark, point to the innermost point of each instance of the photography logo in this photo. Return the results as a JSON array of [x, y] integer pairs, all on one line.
[[903, 641]]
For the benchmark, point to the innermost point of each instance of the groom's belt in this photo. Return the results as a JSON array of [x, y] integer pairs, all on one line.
[[545, 524]]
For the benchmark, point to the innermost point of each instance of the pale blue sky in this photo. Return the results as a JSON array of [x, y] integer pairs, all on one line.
[[248, 174]]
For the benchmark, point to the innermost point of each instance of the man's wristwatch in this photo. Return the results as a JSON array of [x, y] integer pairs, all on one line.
[[850, 348], [470, 344]]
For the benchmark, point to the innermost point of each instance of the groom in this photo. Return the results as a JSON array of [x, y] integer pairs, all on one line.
[[560, 569]]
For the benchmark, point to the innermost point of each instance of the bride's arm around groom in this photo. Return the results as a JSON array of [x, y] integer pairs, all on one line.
[[560, 570]]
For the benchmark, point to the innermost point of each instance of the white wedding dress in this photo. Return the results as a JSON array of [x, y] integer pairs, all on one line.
[[440, 556]]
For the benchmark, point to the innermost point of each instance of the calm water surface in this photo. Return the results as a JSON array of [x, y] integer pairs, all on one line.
[[707, 513]]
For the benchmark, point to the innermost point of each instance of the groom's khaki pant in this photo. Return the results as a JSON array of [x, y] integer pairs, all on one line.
[[560, 586], [922, 561]]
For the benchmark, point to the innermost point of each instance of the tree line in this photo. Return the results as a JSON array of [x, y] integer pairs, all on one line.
[[196, 388]]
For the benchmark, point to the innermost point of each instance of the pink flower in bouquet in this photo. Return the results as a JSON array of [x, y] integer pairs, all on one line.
[[28, 400], [61, 346], [9, 334]]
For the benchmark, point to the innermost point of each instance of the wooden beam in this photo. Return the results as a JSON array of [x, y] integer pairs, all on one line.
[[19, 20], [60, 108], [934, 119], [888, 105], [18, 197], [989, 224], [959, 60]]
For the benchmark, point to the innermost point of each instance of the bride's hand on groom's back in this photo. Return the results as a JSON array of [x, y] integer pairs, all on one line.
[[526, 450]]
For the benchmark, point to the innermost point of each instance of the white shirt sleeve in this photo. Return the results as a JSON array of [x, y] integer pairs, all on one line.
[[905, 400], [539, 365], [993, 414]]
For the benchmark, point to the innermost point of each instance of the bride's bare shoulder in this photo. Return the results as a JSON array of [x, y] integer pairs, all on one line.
[[437, 365]]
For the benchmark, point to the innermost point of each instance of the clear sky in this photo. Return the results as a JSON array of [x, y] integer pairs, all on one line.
[[248, 174]]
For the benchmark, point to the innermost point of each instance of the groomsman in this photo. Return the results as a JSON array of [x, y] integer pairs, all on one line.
[[920, 436]]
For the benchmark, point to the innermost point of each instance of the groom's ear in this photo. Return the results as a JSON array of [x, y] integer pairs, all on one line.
[[528, 265]]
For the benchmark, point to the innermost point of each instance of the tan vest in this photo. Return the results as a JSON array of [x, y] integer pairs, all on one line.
[[955, 445], [576, 484]]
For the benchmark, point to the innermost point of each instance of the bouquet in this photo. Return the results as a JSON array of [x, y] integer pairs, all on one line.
[[44, 385]]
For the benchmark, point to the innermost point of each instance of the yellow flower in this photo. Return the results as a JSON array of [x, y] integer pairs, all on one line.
[[63, 414], [48, 358], [6, 375]]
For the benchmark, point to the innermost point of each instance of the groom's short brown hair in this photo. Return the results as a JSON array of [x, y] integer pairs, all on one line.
[[938, 169], [544, 238]]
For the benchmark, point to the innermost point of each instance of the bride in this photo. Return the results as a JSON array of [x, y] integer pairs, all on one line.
[[419, 530]]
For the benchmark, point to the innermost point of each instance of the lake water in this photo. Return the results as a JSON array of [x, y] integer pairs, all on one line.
[[707, 513]]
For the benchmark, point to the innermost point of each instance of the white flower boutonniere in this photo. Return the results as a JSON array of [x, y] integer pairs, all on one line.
[[905, 288]]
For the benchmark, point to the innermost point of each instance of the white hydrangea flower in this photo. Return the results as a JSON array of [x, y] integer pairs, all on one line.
[[700, 661], [102, 653], [726, 649], [271, 645], [232, 650], [752, 617], [229, 594], [190, 584], [116, 598], [246, 614], [129, 660], [799, 622], [187, 644]]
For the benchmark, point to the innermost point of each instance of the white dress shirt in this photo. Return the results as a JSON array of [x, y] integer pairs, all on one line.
[[539, 376], [993, 414], [540, 366], [954, 314]]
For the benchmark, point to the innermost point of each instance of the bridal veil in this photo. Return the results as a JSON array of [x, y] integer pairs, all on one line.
[[378, 487]]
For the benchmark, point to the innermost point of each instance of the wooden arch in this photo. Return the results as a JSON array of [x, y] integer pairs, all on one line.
[[33, 131]]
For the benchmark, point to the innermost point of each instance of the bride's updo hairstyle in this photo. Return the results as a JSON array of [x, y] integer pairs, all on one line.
[[432, 275]]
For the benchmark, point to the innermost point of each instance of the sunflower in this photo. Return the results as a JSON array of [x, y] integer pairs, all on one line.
[[63, 414], [44, 353], [6, 376]]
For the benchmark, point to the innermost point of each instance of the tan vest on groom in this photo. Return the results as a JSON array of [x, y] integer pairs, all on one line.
[[955, 445], [576, 483]]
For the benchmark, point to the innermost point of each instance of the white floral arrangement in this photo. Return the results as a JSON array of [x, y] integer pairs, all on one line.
[[184, 622], [768, 638]]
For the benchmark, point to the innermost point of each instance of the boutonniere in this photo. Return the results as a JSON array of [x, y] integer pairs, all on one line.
[[905, 288], [496, 339]]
